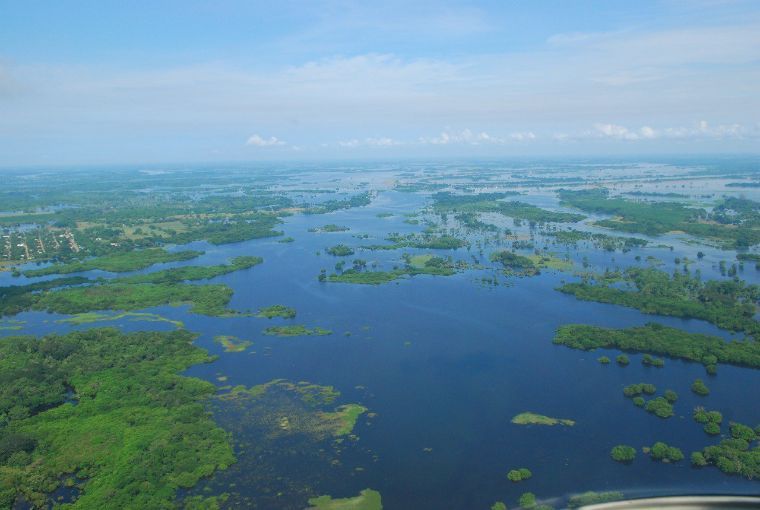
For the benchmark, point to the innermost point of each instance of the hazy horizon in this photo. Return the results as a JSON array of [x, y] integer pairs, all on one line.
[[145, 83]]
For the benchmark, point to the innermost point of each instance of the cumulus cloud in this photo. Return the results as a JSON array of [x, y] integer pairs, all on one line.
[[259, 141], [462, 137], [701, 130], [382, 141]]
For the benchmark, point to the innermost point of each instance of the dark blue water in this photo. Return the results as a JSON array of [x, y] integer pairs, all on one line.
[[446, 362]]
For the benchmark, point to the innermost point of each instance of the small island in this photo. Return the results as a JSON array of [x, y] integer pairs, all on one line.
[[232, 343], [528, 418]]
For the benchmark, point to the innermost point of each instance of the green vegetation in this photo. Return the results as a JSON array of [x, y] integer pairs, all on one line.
[[91, 317], [527, 500], [659, 339], [340, 250], [192, 273], [734, 224], [499, 505], [491, 202], [365, 277], [733, 456], [701, 415], [700, 388], [366, 500], [415, 265], [634, 390], [137, 434], [670, 395], [331, 227], [528, 418], [604, 360], [648, 361], [277, 398], [117, 262], [621, 359], [296, 330], [623, 453], [600, 241], [204, 299], [515, 264], [660, 407], [593, 498], [18, 298], [663, 452], [273, 311], [232, 343], [728, 304], [328, 206], [518, 475]]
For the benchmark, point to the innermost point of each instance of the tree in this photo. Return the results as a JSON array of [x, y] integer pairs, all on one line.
[[622, 360], [527, 500], [623, 453], [700, 388]]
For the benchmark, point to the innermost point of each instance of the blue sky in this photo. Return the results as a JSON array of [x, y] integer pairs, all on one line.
[[165, 81]]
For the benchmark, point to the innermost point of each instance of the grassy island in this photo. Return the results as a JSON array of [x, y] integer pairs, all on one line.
[[623, 453], [273, 311], [733, 224], [340, 250], [518, 475], [663, 452], [117, 262], [528, 418], [728, 304], [204, 299], [657, 339], [366, 500], [193, 273], [296, 330], [232, 343], [120, 435]]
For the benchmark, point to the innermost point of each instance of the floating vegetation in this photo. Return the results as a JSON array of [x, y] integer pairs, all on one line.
[[330, 227], [117, 262], [91, 317], [11, 325], [340, 250], [593, 498], [283, 311], [367, 499], [289, 438], [528, 418], [232, 343], [296, 330]]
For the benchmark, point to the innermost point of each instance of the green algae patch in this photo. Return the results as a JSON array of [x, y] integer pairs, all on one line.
[[270, 312], [92, 317], [367, 499], [296, 330], [528, 418], [232, 343]]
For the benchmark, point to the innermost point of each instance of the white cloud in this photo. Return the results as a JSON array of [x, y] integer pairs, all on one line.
[[522, 137], [258, 141], [701, 130], [462, 137], [382, 141]]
